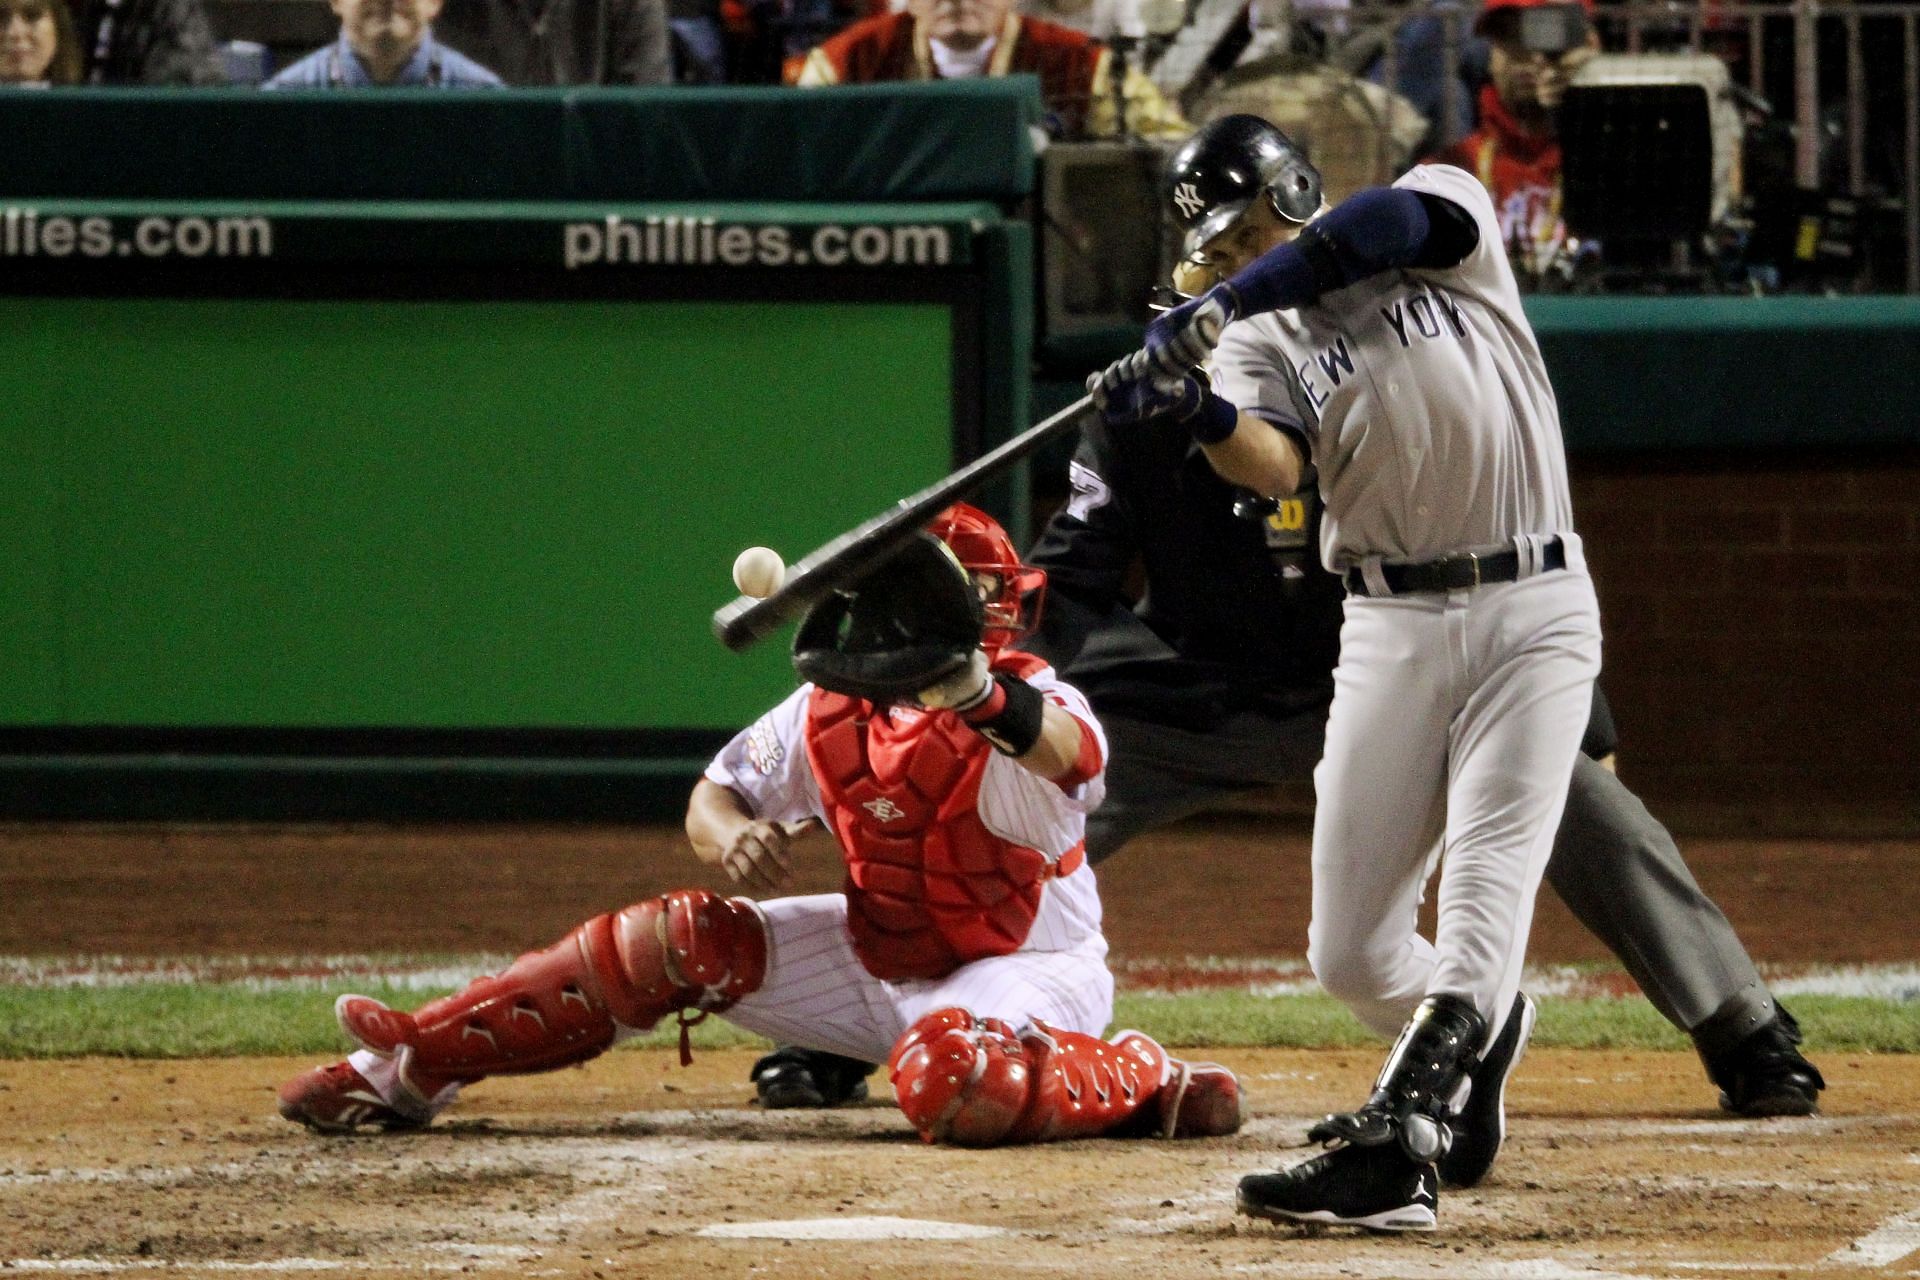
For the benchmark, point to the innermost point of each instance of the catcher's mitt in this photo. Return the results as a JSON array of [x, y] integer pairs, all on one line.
[[909, 624]]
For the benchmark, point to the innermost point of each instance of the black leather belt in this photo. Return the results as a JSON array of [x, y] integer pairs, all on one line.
[[1456, 573]]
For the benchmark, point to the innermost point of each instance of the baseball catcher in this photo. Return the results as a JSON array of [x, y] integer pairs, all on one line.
[[964, 950]]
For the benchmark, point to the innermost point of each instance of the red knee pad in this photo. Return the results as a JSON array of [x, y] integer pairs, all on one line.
[[688, 949], [961, 1080]]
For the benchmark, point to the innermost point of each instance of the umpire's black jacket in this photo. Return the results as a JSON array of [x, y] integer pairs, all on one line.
[[1234, 611]]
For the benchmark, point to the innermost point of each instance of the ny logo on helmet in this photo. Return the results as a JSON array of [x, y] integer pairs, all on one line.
[[1188, 200]]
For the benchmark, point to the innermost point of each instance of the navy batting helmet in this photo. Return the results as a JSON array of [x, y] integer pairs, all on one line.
[[1219, 172]]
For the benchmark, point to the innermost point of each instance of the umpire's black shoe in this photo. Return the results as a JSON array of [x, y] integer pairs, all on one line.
[[1379, 1188], [1766, 1075], [1480, 1126], [794, 1077]]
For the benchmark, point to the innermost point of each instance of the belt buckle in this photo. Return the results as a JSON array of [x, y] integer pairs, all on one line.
[[1474, 558]]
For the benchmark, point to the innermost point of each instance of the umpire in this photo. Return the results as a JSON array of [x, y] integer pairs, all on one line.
[[1216, 682]]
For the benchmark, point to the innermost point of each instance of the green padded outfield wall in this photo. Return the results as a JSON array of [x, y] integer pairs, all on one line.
[[445, 514]]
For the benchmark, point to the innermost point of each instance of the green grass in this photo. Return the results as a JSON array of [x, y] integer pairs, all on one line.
[[179, 1021]]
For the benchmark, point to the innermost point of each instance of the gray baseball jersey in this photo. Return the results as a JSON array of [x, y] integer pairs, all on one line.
[[1422, 398]]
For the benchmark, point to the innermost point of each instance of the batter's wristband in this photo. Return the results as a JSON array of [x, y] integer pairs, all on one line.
[[1214, 420], [1011, 717]]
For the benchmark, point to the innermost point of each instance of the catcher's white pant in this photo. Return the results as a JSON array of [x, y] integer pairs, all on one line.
[[1454, 726], [819, 995]]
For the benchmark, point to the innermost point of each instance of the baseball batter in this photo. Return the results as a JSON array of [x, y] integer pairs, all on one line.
[[965, 950], [1384, 342]]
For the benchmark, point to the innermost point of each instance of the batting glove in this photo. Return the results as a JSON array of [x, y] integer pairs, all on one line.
[[1183, 338], [1132, 390]]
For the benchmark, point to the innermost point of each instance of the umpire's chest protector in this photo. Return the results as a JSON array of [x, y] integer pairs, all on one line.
[[928, 887]]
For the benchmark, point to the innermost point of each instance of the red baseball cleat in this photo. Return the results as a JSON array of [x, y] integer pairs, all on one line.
[[338, 1099], [1199, 1099]]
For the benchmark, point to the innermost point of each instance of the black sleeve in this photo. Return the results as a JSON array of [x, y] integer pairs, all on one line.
[[1088, 550], [1601, 739], [1452, 233]]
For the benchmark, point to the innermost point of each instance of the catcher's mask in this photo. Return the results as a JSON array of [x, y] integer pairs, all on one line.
[[917, 618], [908, 624], [1012, 594]]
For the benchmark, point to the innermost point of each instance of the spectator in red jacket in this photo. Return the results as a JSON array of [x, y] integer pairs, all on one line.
[[1536, 46], [955, 39]]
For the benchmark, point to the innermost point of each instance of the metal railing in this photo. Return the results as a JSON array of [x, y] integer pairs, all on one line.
[[1844, 73], [1808, 20]]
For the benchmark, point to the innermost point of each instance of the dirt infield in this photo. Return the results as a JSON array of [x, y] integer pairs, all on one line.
[[1619, 1165], [1225, 887], [633, 1167]]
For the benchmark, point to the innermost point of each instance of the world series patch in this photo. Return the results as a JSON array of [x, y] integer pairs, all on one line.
[[764, 751]]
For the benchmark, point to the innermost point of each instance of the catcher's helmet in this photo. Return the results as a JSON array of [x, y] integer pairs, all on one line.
[[1219, 172], [917, 618], [1011, 593]]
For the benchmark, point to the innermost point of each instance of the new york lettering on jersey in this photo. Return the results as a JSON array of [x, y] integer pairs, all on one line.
[[1421, 314], [1389, 382]]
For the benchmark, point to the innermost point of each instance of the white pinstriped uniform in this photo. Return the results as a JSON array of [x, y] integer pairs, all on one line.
[[819, 995]]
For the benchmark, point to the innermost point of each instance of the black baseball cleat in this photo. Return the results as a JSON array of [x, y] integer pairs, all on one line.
[[1480, 1127], [1766, 1075], [1379, 1188], [792, 1077]]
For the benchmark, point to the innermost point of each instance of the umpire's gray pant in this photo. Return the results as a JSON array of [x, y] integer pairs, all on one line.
[[1614, 865]]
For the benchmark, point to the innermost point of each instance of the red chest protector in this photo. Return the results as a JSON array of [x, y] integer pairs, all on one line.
[[928, 887]]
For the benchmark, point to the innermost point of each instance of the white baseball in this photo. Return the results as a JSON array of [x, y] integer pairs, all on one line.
[[759, 571]]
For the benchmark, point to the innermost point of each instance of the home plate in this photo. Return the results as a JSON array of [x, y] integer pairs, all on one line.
[[838, 1228]]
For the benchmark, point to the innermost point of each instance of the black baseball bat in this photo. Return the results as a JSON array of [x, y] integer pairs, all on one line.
[[863, 548]]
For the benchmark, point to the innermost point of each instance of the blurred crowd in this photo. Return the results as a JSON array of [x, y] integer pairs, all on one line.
[[1370, 87], [1091, 56], [1419, 85]]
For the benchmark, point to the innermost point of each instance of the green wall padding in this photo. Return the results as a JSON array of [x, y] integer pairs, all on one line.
[[431, 514]]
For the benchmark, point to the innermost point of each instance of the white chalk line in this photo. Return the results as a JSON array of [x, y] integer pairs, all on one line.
[[1887, 1243], [109, 1266], [852, 1228], [1262, 976]]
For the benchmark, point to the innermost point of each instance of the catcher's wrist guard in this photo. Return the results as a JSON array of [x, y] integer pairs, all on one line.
[[1009, 717]]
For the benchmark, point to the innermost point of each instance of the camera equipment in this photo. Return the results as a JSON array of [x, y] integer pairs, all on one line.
[[1648, 144], [1104, 245]]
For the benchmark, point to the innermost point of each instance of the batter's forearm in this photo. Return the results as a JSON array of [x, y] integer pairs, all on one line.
[[1258, 456]]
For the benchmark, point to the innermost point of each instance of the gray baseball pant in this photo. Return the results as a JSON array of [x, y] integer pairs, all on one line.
[[1613, 863]]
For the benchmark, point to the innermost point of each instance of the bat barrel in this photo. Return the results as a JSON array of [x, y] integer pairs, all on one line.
[[860, 550]]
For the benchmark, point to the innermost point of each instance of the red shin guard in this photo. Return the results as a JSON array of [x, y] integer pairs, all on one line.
[[689, 950], [972, 1082]]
